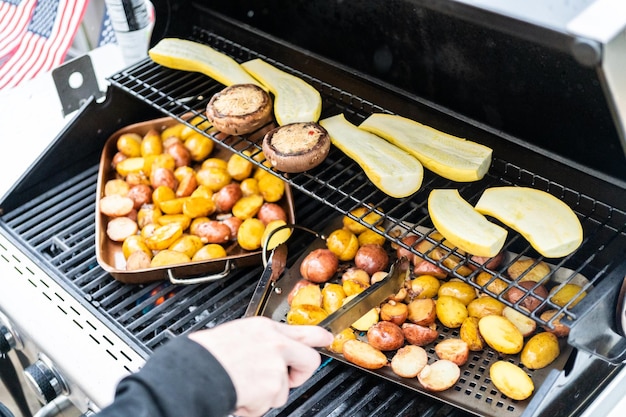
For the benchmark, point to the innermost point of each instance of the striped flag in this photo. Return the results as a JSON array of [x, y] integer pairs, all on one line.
[[35, 36]]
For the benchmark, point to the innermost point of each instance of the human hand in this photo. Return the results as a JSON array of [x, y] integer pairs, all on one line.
[[264, 359]]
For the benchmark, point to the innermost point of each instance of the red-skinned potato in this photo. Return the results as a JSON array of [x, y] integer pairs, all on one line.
[[422, 311], [531, 303], [489, 263], [401, 251], [212, 231], [141, 194], [394, 312], [226, 197], [439, 376], [181, 155], [453, 349], [371, 258], [233, 224], [560, 329], [409, 361], [319, 266], [271, 211], [419, 335], [425, 267], [356, 274], [385, 336]]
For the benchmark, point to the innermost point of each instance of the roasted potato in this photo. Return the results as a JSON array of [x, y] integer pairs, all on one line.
[[439, 376], [409, 361], [363, 355], [385, 336], [540, 351], [451, 311], [501, 335], [511, 380], [453, 349]]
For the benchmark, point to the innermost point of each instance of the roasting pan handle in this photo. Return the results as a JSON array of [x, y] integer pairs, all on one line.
[[200, 280]]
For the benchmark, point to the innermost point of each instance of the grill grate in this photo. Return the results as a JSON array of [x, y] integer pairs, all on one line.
[[340, 184]]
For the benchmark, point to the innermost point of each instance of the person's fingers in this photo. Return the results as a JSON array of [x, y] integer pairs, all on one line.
[[313, 336], [301, 370], [279, 398]]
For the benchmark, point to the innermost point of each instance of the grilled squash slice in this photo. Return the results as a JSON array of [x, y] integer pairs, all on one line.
[[391, 169], [549, 225], [462, 225], [295, 100], [451, 157], [187, 55]]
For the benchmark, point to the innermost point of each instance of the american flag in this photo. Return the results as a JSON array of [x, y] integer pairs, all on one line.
[[35, 36]]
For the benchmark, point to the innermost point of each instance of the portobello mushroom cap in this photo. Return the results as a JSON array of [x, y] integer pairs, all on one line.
[[296, 147], [240, 109]]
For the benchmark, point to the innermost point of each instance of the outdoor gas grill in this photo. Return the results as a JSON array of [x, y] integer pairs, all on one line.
[[541, 97]]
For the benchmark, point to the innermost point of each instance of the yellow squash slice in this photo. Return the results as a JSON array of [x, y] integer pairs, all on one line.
[[187, 55], [462, 225], [549, 225], [451, 157], [391, 169], [295, 100]]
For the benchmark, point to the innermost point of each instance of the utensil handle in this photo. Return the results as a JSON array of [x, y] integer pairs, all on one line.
[[200, 280]]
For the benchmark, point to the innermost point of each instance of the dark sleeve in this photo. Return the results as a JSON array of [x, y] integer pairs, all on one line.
[[180, 379]]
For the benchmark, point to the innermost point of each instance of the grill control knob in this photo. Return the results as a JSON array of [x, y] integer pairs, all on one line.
[[45, 380], [9, 339]]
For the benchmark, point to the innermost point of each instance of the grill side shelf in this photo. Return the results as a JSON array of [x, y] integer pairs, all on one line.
[[341, 184]]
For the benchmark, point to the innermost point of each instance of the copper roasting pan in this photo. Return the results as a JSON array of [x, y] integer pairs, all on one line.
[[474, 391], [109, 254]]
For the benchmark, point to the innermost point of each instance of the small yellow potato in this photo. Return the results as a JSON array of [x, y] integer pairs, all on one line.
[[367, 320], [306, 314], [247, 207], [370, 237], [129, 144], [332, 297], [363, 355], [135, 243], [277, 238], [451, 311], [309, 294], [496, 286], [511, 380], [271, 188], [527, 271], [168, 257], [461, 290], [357, 228], [501, 335], [164, 236], [250, 234], [485, 306], [425, 286], [341, 338], [540, 351], [239, 167], [208, 252], [563, 295], [343, 243], [470, 333], [187, 244]]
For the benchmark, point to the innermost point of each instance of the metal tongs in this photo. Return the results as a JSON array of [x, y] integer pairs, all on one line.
[[274, 267]]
